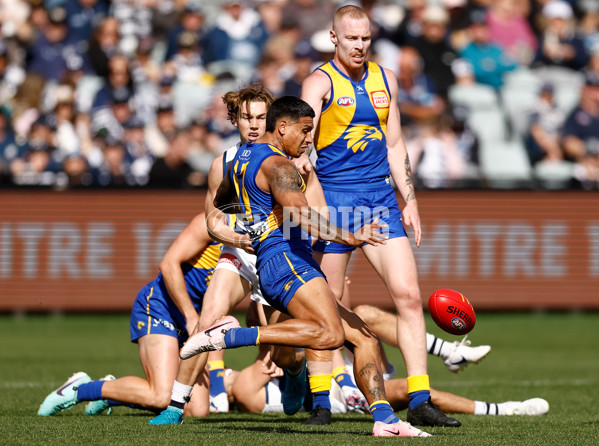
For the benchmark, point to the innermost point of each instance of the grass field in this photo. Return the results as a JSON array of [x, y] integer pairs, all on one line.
[[554, 356]]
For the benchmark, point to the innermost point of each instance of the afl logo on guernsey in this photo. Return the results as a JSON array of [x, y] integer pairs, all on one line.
[[379, 99], [345, 101]]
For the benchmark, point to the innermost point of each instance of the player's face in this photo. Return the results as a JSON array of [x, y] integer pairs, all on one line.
[[251, 121], [297, 137], [352, 39]]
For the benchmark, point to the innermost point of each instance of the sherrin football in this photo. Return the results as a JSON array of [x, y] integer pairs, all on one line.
[[451, 311]]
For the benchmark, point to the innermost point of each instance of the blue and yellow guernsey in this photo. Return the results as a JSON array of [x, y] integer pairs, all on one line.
[[197, 273], [351, 139], [262, 218]]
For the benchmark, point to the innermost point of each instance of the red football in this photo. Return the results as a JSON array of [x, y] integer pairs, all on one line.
[[451, 311]]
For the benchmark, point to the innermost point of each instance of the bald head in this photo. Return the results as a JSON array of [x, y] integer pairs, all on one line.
[[352, 12]]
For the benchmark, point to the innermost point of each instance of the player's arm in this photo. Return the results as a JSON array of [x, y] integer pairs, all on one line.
[[399, 162], [191, 241], [315, 89], [216, 220], [283, 181]]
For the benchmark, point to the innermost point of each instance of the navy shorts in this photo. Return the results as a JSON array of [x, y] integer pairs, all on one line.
[[283, 274], [352, 210], [154, 312]]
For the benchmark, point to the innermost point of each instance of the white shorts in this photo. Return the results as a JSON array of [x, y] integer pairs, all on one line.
[[244, 264]]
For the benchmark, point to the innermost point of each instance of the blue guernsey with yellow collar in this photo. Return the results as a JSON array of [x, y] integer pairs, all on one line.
[[261, 216], [351, 139]]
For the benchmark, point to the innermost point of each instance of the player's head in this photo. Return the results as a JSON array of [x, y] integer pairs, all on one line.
[[291, 120], [351, 36], [247, 110]]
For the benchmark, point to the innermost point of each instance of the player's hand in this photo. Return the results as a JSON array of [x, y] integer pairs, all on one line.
[[411, 217], [371, 234], [192, 326], [303, 164], [245, 243], [270, 368]]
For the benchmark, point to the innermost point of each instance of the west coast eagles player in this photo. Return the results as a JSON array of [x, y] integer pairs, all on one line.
[[360, 147]]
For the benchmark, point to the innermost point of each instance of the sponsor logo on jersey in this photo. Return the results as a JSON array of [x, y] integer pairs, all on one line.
[[230, 259], [346, 101], [379, 99]]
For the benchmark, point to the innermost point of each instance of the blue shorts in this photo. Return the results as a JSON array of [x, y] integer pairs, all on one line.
[[154, 312], [352, 210], [283, 274]]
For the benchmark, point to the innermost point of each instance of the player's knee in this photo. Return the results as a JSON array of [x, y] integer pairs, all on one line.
[[159, 399], [332, 337], [197, 410], [407, 298], [366, 312]]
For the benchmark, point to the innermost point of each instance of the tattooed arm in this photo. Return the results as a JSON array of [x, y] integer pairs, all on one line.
[[284, 183], [399, 162]]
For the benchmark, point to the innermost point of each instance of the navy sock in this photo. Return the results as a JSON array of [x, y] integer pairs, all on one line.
[[91, 391], [419, 397], [242, 337], [382, 411], [321, 399]]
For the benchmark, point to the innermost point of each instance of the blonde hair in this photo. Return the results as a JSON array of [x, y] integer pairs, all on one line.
[[254, 93]]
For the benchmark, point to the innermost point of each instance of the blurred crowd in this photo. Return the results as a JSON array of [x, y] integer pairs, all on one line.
[[129, 92]]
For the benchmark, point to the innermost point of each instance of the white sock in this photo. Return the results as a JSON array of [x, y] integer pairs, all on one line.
[[437, 346], [482, 408], [180, 392]]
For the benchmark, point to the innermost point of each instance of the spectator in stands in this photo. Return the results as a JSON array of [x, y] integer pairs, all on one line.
[[83, 16], [173, 170], [11, 74], [52, 50], [113, 170], [119, 79], [304, 58], [104, 46], [580, 135], [40, 162], [114, 116], [418, 103], [435, 156], [509, 28], [545, 123], [234, 44], [559, 45], [412, 24], [159, 134], [191, 21], [67, 140], [488, 60], [26, 104], [9, 149], [310, 15], [138, 154], [186, 63], [436, 53]]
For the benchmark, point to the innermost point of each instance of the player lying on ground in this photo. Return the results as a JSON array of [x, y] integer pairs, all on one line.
[[257, 388]]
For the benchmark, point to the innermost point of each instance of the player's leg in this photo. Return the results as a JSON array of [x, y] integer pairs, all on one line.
[[456, 355], [334, 267], [198, 406], [369, 377], [395, 264], [249, 392], [227, 288]]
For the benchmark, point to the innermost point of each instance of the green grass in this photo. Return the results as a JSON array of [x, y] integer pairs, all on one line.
[[554, 356]]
